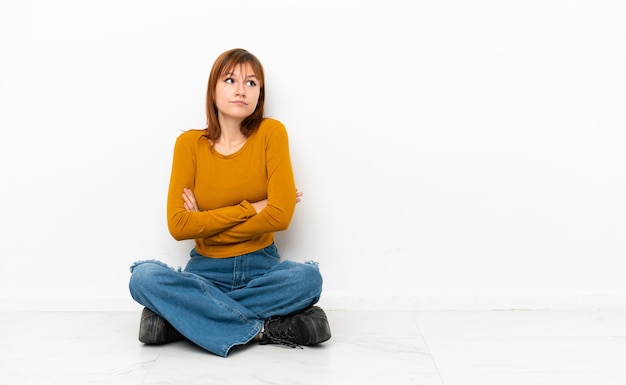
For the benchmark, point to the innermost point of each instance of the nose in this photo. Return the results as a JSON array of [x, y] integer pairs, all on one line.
[[241, 89]]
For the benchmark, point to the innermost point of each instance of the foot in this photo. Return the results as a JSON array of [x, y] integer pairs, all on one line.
[[154, 330], [309, 327]]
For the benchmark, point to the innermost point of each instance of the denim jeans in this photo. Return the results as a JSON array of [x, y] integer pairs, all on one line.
[[219, 303]]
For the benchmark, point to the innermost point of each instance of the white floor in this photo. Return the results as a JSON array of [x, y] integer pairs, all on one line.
[[398, 347]]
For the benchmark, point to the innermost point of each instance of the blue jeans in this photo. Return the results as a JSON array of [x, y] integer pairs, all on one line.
[[221, 303]]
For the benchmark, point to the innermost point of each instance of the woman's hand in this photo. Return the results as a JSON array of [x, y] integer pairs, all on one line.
[[190, 200], [260, 205], [192, 205]]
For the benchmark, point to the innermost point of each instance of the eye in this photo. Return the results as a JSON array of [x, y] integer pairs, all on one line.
[[229, 80], [251, 83]]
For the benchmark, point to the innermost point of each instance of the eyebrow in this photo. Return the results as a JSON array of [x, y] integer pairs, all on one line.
[[232, 73]]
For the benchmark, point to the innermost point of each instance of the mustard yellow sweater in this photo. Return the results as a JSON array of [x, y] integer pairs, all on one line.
[[227, 224]]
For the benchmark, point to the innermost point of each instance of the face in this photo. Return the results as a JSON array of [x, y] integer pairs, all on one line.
[[237, 93]]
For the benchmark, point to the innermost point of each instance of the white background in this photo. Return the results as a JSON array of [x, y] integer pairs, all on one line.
[[453, 154]]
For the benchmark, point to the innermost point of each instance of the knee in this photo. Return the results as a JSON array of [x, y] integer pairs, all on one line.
[[310, 277], [145, 274], [315, 276]]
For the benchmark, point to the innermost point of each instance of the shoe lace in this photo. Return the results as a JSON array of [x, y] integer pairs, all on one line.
[[279, 336]]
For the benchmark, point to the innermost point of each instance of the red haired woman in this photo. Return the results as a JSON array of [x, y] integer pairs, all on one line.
[[231, 188]]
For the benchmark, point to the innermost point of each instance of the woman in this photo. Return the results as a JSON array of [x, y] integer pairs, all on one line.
[[231, 188]]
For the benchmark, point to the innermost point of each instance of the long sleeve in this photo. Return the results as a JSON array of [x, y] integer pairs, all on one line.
[[224, 185], [183, 224]]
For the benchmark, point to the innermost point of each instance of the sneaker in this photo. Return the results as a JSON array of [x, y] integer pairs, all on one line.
[[154, 330], [309, 327]]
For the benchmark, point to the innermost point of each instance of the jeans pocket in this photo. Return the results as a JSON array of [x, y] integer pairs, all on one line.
[[271, 252]]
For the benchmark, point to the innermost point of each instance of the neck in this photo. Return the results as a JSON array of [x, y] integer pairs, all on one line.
[[230, 141], [231, 131], [231, 135]]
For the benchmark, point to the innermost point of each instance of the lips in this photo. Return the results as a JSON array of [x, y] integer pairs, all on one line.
[[239, 103]]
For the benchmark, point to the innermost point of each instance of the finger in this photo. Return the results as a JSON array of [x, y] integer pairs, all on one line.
[[190, 200], [188, 205], [189, 196]]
